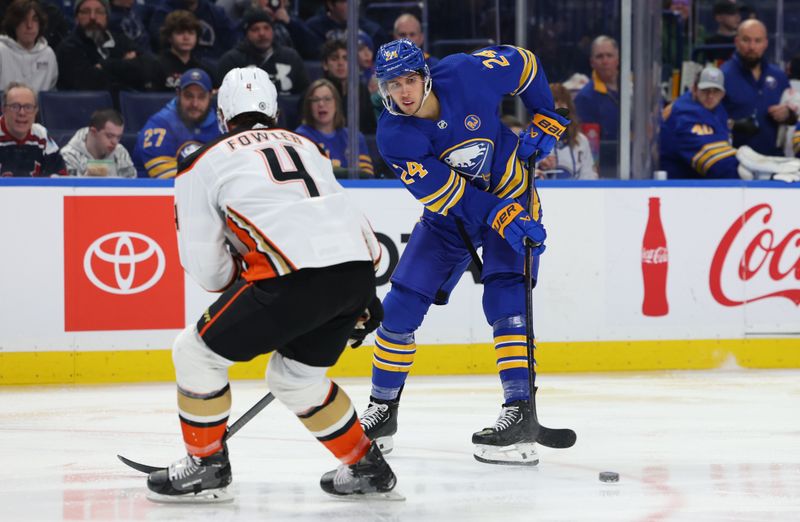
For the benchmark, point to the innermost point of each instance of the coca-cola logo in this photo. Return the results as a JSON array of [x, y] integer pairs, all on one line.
[[767, 254], [655, 255], [124, 251]]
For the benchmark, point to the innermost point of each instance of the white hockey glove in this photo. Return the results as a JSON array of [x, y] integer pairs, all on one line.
[[753, 165], [367, 323]]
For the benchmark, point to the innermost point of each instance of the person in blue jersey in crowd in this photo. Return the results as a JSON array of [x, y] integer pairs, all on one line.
[[696, 140], [181, 127], [323, 123], [753, 89], [442, 136]]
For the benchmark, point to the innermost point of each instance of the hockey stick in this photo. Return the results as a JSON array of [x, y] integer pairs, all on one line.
[[549, 437], [232, 429]]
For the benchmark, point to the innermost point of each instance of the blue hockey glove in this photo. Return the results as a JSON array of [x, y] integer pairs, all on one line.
[[542, 134], [515, 225]]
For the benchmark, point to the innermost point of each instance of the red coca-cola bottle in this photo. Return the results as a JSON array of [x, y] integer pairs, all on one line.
[[655, 261]]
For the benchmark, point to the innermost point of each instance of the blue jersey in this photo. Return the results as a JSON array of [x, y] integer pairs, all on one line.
[[165, 140], [596, 103], [745, 97], [463, 163], [695, 142], [335, 146]]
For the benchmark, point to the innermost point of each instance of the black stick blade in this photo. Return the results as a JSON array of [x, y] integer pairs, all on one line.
[[144, 468], [556, 438]]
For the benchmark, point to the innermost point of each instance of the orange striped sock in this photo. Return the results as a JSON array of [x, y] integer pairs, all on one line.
[[204, 419], [335, 424]]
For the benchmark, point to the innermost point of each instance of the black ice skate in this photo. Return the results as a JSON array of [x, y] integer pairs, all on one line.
[[511, 440], [379, 421], [192, 479], [370, 477]]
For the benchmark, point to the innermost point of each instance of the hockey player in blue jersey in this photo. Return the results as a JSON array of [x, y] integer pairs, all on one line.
[[441, 134]]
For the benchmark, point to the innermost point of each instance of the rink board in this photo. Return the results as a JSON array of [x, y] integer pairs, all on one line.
[[92, 289]]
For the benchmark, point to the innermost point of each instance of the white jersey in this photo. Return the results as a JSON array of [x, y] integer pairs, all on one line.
[[273, 195]]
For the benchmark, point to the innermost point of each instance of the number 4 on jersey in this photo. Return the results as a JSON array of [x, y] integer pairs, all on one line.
[[301, 174]]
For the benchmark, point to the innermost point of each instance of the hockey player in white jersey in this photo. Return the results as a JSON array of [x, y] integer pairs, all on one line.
[[301, 276]]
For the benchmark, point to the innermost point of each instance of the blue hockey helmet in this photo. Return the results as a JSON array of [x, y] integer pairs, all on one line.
[[398, 58]]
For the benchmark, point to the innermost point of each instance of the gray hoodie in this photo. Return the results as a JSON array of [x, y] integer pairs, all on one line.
[[36, 67], [77, 158]]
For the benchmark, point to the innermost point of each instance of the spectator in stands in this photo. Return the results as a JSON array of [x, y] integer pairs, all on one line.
[[289, 31], [572, 156], [323, 123], [789, 135], [126, 17], [408, 26], [334, 65], [92, 58], [753, 89], [25, 55], [366, 62], [178, 43], [332, 24], [57, 27], [283, 64], [26, 149], [217, 33], [726, 14], [180, 128], [95, 150], [695, 139], [598, 101]]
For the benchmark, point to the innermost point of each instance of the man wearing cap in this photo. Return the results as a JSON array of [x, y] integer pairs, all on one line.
[[94, 58], [727, 16], [695, 140], [753, 92], [283, 64], [181, 127]]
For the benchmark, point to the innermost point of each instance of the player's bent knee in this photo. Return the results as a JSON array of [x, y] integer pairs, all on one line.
[[404, 309], [297, 385], [197, 368], [503, 296]]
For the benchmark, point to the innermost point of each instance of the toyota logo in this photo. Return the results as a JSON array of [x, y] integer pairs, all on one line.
[[124, 254]]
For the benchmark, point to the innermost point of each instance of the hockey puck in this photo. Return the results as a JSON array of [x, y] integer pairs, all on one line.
[[609, 476]]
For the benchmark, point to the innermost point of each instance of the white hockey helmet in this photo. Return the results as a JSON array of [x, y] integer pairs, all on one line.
[[246, 89]]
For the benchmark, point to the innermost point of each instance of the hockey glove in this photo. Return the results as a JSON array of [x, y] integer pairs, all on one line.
[[515, 225], [542, 134], [367, 323]]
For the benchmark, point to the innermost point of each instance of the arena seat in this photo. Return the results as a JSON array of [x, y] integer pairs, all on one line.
[[137, 107], [314, 69], [70, 110], [289, 116]]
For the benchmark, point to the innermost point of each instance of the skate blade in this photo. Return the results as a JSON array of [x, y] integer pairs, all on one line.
[[523, 454], [209, 496], [377, 495], [385, 444]]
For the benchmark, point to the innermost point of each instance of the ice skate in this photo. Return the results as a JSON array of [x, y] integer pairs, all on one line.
[[369, 478], [379, 421], [511, 440], [192, 479]]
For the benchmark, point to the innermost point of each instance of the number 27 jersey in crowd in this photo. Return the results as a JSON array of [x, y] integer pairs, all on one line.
[[273, 195]]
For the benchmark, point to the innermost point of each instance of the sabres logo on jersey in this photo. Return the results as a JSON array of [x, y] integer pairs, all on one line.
[[471, 158], [472, 122]]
